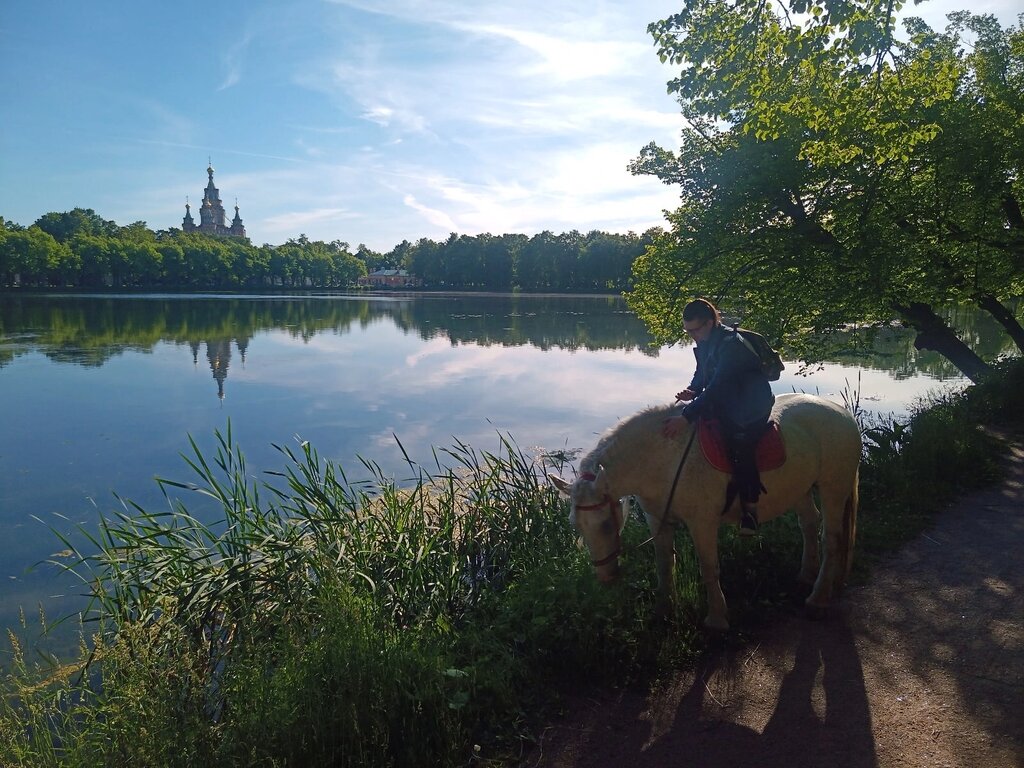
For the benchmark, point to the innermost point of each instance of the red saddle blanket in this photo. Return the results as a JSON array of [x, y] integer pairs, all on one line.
[[771, 452]]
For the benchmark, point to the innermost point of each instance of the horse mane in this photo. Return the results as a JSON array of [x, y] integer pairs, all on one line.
[[626, 437]]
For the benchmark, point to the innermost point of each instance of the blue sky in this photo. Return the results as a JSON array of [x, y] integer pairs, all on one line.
[[368, 121]]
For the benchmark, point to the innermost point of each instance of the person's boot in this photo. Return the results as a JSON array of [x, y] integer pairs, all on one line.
[[748, 520]]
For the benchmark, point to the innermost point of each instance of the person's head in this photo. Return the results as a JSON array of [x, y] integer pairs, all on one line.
[[699, 318]]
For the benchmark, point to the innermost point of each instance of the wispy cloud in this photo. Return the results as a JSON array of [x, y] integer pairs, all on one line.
[[231, 59], [295, 221], [436, 217]]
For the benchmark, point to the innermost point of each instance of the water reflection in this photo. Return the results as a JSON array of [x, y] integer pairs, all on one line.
[[91, 330]]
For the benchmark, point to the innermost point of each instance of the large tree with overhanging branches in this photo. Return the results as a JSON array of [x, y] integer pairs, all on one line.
[[834, 172]]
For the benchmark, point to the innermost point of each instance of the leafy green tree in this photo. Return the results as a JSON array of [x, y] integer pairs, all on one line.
[[144, 263], [64, 266], [372, 259], [347, 268], [565, 254], [30, 255], [424, 261], [496, 259], [84, 221], [535, 269], [401, 255], [284, 267], [94, 254], [174, 268], [823, 172]]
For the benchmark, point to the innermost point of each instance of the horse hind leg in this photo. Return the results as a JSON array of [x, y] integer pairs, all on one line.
[[849, 531], [838, 532], [810, 560]]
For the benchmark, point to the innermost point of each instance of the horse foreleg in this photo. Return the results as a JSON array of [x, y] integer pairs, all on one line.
[[705, 542], [807, 513], [665, 561], [663, 535]]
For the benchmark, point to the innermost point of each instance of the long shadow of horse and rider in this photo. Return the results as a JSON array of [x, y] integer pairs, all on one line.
[[820, 715]]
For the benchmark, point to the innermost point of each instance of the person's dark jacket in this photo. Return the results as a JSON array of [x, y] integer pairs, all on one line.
[[729, 383]]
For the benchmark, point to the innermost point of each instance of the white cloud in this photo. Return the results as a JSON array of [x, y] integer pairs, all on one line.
[[437, 218], [231, 59]]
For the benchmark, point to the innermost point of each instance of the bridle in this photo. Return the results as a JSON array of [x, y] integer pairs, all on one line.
[[608, 501]]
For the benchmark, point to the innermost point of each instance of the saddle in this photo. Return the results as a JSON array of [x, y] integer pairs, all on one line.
[[771, 451]]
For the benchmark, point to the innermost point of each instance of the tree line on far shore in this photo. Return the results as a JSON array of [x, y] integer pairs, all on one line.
[[80, 249]]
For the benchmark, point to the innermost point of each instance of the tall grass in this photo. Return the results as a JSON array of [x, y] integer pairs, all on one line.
[[322, 621], [319, 621]]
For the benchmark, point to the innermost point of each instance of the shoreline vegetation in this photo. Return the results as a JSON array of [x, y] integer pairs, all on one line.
[[328, 621], [78, 250]]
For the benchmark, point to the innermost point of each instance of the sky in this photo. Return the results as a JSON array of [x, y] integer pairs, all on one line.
[[367, 121]]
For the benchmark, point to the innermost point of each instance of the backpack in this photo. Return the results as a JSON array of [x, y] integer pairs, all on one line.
[[771, 363]]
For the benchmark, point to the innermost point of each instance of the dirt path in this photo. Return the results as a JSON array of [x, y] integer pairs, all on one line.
[[923, 666]]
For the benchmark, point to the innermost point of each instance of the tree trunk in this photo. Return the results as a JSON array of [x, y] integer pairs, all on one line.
[[998, 310], [934, 334]]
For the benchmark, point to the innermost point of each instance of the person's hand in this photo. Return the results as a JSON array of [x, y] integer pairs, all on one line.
[[685, 396], [672, 426]]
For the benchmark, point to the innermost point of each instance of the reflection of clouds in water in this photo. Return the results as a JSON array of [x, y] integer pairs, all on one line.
[[880, 393], [432, 392]]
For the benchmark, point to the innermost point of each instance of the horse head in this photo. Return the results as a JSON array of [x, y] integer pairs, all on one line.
[[598, 516]]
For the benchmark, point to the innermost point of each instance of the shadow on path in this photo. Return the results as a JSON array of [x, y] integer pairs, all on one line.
[[820, 710]]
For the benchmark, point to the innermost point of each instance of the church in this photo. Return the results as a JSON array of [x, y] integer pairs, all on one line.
[[212, 218]]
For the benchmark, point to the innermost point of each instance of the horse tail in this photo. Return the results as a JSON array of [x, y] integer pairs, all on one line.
[[850, 527]]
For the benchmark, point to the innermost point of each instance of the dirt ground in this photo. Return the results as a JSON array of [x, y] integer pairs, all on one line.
[[922, 666]]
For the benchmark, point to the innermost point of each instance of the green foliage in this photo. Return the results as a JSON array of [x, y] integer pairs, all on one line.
[[79, 249], [596, 262], [383, 696], [999, 398], [831, 173]]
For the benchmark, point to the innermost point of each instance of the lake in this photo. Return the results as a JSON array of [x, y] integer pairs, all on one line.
[[100, 393]]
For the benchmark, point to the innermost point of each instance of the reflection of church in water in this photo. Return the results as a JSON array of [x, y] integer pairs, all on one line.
[[218, 354]]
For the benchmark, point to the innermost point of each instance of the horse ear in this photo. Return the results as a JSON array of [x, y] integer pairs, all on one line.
[[561, 485]]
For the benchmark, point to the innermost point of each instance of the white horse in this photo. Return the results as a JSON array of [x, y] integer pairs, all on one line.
[[823, 449]]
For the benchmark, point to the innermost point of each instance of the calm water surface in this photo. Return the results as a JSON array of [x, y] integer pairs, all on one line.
[[99, 394]]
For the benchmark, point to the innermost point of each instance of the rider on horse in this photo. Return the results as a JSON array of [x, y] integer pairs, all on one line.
[[729, 385]]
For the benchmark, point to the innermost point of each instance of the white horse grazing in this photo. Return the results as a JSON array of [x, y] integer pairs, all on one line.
[[823, 449]]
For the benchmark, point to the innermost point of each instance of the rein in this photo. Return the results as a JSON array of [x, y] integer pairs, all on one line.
[[608, 501]]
